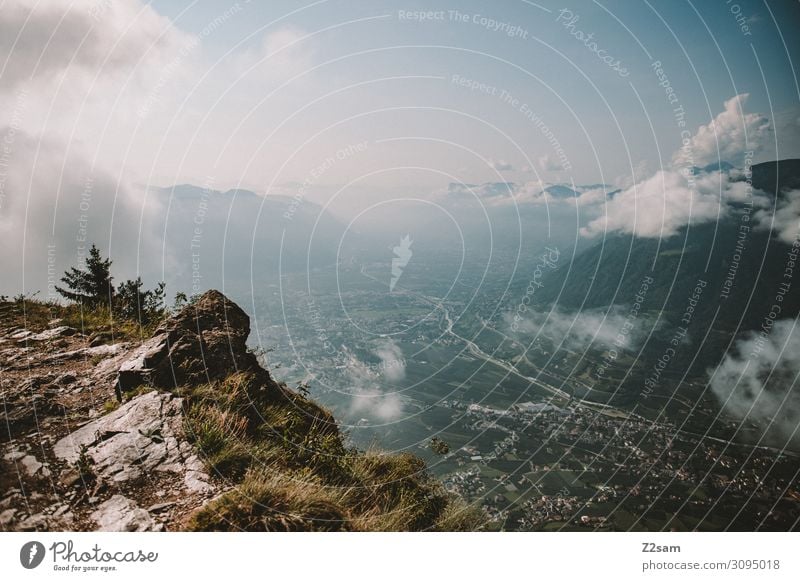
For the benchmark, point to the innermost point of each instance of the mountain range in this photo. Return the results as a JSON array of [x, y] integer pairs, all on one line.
[[740, 264]]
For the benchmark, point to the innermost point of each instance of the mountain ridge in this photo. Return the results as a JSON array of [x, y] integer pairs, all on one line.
[[736, 265]]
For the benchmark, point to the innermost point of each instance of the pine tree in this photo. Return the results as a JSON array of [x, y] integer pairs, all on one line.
[[135, 304], [91, 286]]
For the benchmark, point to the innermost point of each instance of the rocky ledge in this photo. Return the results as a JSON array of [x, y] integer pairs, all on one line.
[[94, 436], [185, 430]]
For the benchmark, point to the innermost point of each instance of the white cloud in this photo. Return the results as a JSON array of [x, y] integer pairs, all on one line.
[[282, 54], [725, 138], [85, 65], [482, 191], [548, 163], [786, 224], [393, 364], [44, 40], [533, 193], [87, 88], [367, 382], [659, 206], [501, 165], [759, 382], [640, 171], [662, 204], [76, 75], [582, 329], [54, 206]]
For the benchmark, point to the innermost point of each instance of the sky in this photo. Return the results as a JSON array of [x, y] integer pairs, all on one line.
[[103, 100], [601, 119]]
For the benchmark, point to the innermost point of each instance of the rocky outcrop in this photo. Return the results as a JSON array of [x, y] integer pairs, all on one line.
[[143, 437], [83, 459], [69, 460], [204, 342]]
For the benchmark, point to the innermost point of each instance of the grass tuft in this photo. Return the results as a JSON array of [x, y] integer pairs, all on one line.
[[294, 471], [268, 501]]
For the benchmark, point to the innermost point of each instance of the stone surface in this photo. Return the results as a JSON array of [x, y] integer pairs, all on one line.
[[138, 455], [31, 465], [14, 455], [120, 514], [21, 335], [142, 436], [87, 353], [26, 405], [62, 331], [7, 516], [65, 379], [205, 341], [160, 507], [36, 522]]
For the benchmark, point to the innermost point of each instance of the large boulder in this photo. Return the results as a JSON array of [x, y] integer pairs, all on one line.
[[204, 342]]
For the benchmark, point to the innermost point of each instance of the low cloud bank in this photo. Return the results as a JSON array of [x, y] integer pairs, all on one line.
[[370, 395], [758, 382], [579, 331]]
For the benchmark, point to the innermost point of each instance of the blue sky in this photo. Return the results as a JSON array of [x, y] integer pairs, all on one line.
[[260, 94], [596, 114]]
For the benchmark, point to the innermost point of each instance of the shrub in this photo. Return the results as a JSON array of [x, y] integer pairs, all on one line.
[[439, 446], [84, 463], [133, 303], [110, 405]]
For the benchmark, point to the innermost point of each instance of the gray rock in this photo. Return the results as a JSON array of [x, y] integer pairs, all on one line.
[[139, 368], [7, 516], [65, 379], [26, 405], [34, 522], [205, 341], [61, 510], [120, 514], [196, 477], [62, 331], [86, 352], [15, 455], [31, 464], [21, 335], [160, 507], [141, 437]]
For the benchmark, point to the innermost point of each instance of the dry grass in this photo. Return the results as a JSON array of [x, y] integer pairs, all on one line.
[[219, 435], [295, 473], [273, 501], [35, 316]]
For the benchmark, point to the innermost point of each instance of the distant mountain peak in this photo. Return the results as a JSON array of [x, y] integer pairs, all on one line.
[[721, 166]]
